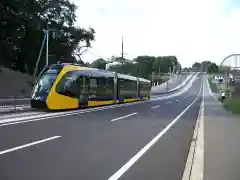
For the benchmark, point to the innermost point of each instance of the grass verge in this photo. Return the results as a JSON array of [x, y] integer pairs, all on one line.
[[232, 105], [212, 85]]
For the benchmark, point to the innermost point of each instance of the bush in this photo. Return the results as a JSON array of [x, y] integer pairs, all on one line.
[[212, 85], [233, 105]]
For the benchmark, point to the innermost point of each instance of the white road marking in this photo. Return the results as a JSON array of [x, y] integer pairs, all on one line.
[[198, 162], [20, 120], [27, 145], [194, 164], [156, 106], [136, 157], [122, 117], [169, 102], [18, 115]]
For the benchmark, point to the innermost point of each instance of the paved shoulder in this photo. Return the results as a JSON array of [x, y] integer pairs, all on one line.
[[222, 145]]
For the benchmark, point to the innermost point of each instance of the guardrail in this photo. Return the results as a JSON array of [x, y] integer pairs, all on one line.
[[14, 104]]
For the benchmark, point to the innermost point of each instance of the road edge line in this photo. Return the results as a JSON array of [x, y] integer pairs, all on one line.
[[195, 162]]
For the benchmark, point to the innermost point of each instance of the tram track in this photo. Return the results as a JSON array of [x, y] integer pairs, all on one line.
[[35, 115]]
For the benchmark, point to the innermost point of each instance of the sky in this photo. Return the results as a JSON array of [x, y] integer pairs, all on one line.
[[191, 30]]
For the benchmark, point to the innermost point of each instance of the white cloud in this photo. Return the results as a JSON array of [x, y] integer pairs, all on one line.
[[193, 30]]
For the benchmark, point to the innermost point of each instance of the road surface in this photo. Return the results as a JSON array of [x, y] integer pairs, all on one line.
[[148, 140]]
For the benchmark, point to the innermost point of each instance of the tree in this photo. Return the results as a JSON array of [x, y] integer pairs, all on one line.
[[196, 66], [99, 63], [21, 32], [143, 66], [212, 68], [205, 65]]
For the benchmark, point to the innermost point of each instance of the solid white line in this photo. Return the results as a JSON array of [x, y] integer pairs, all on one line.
[[156, 106], [27, 145], [188, 174], [198, 162], [136, 157], [122, 117]]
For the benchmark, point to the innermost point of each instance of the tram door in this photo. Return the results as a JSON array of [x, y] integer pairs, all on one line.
[[83, 84]]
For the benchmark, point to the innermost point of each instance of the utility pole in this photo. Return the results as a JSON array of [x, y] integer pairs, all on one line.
[[122, 50], [153, 77], [170, 74], [46, 38], [122, 47], [159, 75]]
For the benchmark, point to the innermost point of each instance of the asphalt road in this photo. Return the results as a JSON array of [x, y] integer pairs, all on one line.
[[148, 140], [173, 83]]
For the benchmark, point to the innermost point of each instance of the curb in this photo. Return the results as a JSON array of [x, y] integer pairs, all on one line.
[[10, 109], [195, 161]]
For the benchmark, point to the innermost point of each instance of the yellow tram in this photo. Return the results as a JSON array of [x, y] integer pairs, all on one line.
[[70, 86]]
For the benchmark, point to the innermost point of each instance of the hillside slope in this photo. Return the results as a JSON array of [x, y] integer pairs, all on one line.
[[14, 84]]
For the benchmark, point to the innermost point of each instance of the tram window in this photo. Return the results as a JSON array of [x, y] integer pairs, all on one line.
[[67, 85], [79, 85], [45, 82], [93, 86], [144, 89], [128, 88], [101, 87]]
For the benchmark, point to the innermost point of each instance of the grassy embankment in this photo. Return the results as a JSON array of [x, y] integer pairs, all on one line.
[[14, 84], [213, 86], [231, 104]]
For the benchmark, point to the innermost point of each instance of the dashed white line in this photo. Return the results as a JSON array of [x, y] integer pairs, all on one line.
[[27, 145], [169, 102], [156, 106], [137, 156], [122, 117]]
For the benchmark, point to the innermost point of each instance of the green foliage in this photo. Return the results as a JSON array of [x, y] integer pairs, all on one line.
[[212, 68], [99, 63], [206, 66], [196, 65], [233, 105], [212, 85], [141, 66], [21, 34]]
